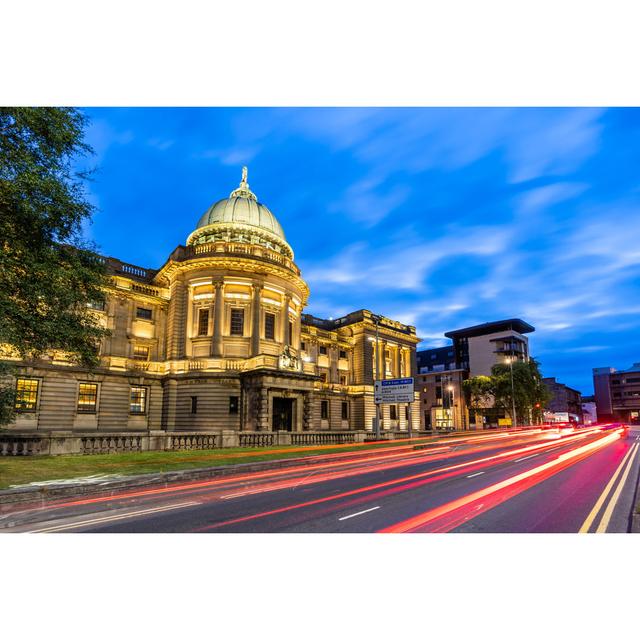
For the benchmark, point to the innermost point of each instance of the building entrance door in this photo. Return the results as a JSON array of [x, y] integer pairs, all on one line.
[[282, 414]]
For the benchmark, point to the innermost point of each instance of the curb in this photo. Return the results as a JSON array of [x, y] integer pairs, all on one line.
[[23, 496]]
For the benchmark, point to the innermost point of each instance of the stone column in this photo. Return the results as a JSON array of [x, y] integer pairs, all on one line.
[[399, 371], [285, 320], [218, 311], [176, 322], [382, 365], [255, 323]]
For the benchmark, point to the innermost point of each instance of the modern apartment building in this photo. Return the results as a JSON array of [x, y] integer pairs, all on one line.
[[617, 394], [473, 351]]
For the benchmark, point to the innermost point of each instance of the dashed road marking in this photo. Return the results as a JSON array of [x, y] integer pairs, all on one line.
[[359, 513], [473, 475], [527, 457]]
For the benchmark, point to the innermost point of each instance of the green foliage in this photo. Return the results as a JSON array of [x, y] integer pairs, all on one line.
[[47, 273], [526, 391]]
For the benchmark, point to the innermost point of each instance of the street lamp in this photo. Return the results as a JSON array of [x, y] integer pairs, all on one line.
[[513, 393], [376, 422], [452, 407]]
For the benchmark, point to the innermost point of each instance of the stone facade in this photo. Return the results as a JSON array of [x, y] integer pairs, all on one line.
[[216, 340]]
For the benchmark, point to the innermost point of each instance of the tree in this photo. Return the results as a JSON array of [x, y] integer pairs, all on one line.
[[478, 392], [527, 393], [48, 274]]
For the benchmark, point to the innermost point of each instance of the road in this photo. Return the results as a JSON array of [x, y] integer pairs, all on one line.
[[527, 481]]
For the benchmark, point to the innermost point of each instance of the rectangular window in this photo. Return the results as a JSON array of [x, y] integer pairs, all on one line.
[[237, 322], [438, 392], [141, 352], [143, 314], [194, 404], [303, 346], [96, 305], [233, 404], [406, 414], [343, 380], [138, 400], [323, 350], [345, 410], [203, 322], [87, 397], [323, 376], [393, 412], [290, 332], [324, 409], [269, 326], [343, 354], [26, 394]]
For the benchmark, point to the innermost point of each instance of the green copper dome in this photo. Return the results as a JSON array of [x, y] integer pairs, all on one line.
[[240, 218]]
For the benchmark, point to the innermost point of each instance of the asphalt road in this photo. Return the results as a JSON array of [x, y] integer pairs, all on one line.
[[537, 481]]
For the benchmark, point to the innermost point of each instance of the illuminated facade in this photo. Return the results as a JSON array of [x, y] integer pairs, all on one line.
[[216, 339]]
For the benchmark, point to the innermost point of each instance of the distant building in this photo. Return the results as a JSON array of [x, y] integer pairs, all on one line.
[[589, 411], [617, 394], [474, 350], [565, 404]]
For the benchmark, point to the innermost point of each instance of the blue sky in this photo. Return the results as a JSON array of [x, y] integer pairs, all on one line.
[[438, 217]]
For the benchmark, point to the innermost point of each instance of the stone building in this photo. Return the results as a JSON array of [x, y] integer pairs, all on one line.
[[216, 339], [565, 403]]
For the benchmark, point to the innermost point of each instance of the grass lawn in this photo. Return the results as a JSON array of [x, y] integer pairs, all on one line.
[[23, 470]]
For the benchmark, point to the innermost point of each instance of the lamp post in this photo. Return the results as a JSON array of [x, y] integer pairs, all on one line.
[[376, 422], [513, 393], [452, 406]]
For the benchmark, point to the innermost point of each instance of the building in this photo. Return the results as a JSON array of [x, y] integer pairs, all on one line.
[[216, 339], [617, 394], [565, 404], [473, 351], [589, 410]]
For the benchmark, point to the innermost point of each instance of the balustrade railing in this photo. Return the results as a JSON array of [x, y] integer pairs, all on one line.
[[110, 444], [256, 439]]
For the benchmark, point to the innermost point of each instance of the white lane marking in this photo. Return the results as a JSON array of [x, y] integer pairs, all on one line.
[[473, 475], [353, 515], [527, 457], [122, 516]]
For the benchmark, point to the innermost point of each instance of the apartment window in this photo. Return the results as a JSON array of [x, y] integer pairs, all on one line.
[[140, 352], [345, 410], [438, 378], [343, 354], [233, 404], [343, 380], [87, 397], [237, 322], [26, 394], [393, 412], [615, 382], [433, 356], [323, 350], [194, 404], [617, 395], [138, 400], [629, 380], [203, 322], [290, 332], [438, 392], [303, 346], [143, 314], [269, 326], [324, 409], [323, 376], [96, 305]]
